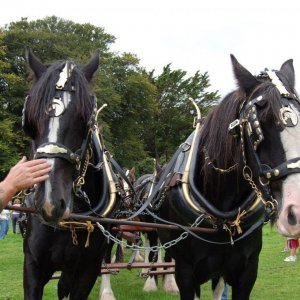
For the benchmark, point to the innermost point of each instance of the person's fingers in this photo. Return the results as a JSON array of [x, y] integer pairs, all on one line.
[[44, 167], [41, 172], [36, 162], [23, 160], [40, 179]]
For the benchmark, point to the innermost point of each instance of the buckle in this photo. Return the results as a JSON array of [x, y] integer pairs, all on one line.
[[234, 127]]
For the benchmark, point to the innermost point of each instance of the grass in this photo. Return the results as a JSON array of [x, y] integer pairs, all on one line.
[[276, 280]]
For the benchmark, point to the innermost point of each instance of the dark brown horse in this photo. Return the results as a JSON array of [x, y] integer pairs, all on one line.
[[229, 175], [60, 117]]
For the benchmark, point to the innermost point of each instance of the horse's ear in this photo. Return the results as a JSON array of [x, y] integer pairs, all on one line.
[[246, 81], [288, 70], [158, 167], [91, 67], [35, 64]]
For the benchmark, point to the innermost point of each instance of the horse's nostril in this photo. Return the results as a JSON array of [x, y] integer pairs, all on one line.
[[62, 204], [292, 220]]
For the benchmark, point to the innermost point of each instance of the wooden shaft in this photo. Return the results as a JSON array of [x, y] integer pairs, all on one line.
[[145, 224], [121, 222], [138, 265]]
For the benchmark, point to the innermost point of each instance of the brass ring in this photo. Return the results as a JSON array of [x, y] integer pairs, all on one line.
[[263, 183], [245, 170]]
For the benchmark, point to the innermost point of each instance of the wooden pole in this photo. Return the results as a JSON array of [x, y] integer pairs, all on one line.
[[116, 222], [143, 224]]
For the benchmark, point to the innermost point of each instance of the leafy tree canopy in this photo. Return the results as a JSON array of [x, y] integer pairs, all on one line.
[[147, 116]]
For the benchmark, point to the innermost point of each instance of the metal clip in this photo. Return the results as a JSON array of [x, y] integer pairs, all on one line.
[[233, 127], [226, 228]]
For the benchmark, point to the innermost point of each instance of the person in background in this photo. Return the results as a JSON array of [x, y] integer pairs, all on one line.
[[4, 223], [22, 176], [15, 217], [292, 244], [225, 292]]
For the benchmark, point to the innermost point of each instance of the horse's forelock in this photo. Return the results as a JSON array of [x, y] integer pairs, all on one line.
[[85, 103], [272, 101]]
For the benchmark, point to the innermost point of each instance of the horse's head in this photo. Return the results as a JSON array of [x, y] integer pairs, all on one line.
[[269, 129], [58, 115]]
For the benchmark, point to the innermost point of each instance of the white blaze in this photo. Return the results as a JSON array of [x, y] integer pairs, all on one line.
[[290, 138], [53, 130]]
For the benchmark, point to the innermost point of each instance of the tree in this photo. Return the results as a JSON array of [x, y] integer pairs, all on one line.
[[146, 117], [174, 115], [51, 39], [11, 85]]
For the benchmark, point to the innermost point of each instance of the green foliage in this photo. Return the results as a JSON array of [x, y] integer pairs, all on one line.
[[174, 116], [145, 166], [146, 116], [7, 150]]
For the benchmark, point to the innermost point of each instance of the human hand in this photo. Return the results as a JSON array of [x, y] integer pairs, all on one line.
[[27, 173]]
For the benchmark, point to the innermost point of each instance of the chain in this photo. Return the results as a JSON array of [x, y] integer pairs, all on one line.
[[154, 259], [222, 171], [74, 236], [165, 246], [242, 143], [247, 172], [273, 204], [162, 198], [79, 181], [248, 176]]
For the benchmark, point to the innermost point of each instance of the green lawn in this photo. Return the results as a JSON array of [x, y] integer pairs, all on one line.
[[277, 280]]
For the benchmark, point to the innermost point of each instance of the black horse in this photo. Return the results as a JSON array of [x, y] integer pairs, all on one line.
[[60, 117], [229, 176]]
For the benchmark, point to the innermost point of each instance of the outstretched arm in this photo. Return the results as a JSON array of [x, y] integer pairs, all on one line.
[[23, 176]]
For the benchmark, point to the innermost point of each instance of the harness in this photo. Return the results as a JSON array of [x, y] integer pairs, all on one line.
[[259, 206], [189, 203], [91, 153]]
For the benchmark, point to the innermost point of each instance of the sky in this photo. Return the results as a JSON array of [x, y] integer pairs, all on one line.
[[192, 35]]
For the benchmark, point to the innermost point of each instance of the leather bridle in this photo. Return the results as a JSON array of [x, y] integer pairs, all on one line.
[[248, 128], [80, 158]]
